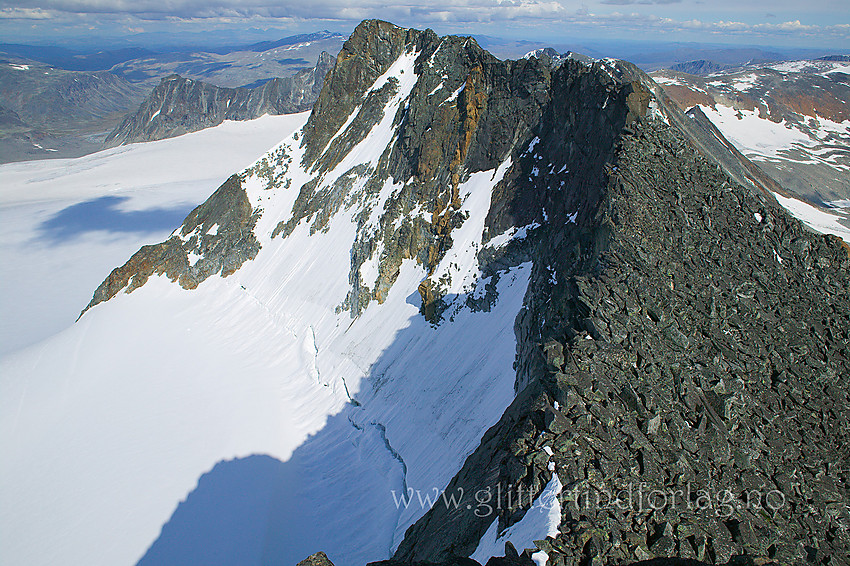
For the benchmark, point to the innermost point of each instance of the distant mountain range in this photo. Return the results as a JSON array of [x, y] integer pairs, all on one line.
[[56, 102], [179, 105], [103, 60], [50, 112], [42, 116], [234, 66]]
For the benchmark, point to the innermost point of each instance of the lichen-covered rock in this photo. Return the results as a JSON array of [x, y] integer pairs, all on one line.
[[216, 238]]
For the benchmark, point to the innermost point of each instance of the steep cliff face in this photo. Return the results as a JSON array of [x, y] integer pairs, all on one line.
[[178, 105], [678, 332]]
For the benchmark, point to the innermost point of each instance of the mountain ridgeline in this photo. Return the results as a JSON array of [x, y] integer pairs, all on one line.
[[679, 330], [179, 105]]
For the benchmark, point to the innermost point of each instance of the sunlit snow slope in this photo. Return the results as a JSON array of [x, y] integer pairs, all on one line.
[[300, 419], [65, 223]]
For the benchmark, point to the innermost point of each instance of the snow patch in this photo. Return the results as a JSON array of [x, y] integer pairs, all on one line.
[[845, 203], [839, 69], [387, 191], [512, 233], [814, 218], [540, 558], [540, 521], [790, 66], [370, 269], [745, 82], [459, 266], [455, 94], [753, 135], [438, 87], [668, 81]]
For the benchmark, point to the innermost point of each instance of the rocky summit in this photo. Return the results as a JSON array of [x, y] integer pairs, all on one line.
[[682, 345], [178, 105]]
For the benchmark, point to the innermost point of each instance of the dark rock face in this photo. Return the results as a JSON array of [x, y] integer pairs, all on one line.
[[689, 347], [177, 105], [681, 335]]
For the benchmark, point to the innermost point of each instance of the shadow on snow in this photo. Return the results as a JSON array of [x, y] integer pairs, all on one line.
[[105, 214], [342, 484]]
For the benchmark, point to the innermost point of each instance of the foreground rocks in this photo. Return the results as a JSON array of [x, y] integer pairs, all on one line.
[[695, 348]]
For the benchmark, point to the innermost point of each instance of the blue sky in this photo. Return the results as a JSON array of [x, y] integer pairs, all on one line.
[[783, 23]]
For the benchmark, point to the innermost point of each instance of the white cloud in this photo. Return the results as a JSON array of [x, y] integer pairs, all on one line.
[[547, 15], [640, 22], [440, 10], [24, 14], [646, 2]]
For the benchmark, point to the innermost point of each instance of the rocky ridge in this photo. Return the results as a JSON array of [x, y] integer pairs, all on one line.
[[556, 58], [679, 330], [178, 105]]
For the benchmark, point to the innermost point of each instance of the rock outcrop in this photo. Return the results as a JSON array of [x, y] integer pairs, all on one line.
[[681, 336], [178, 105]]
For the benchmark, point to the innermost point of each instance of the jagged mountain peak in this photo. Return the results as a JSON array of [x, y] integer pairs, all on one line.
[[431, 113], [466, 273], [404, 121]]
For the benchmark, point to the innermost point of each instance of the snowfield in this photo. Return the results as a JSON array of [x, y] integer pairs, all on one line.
[[248, 421], [815, 218], [66, 223]]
